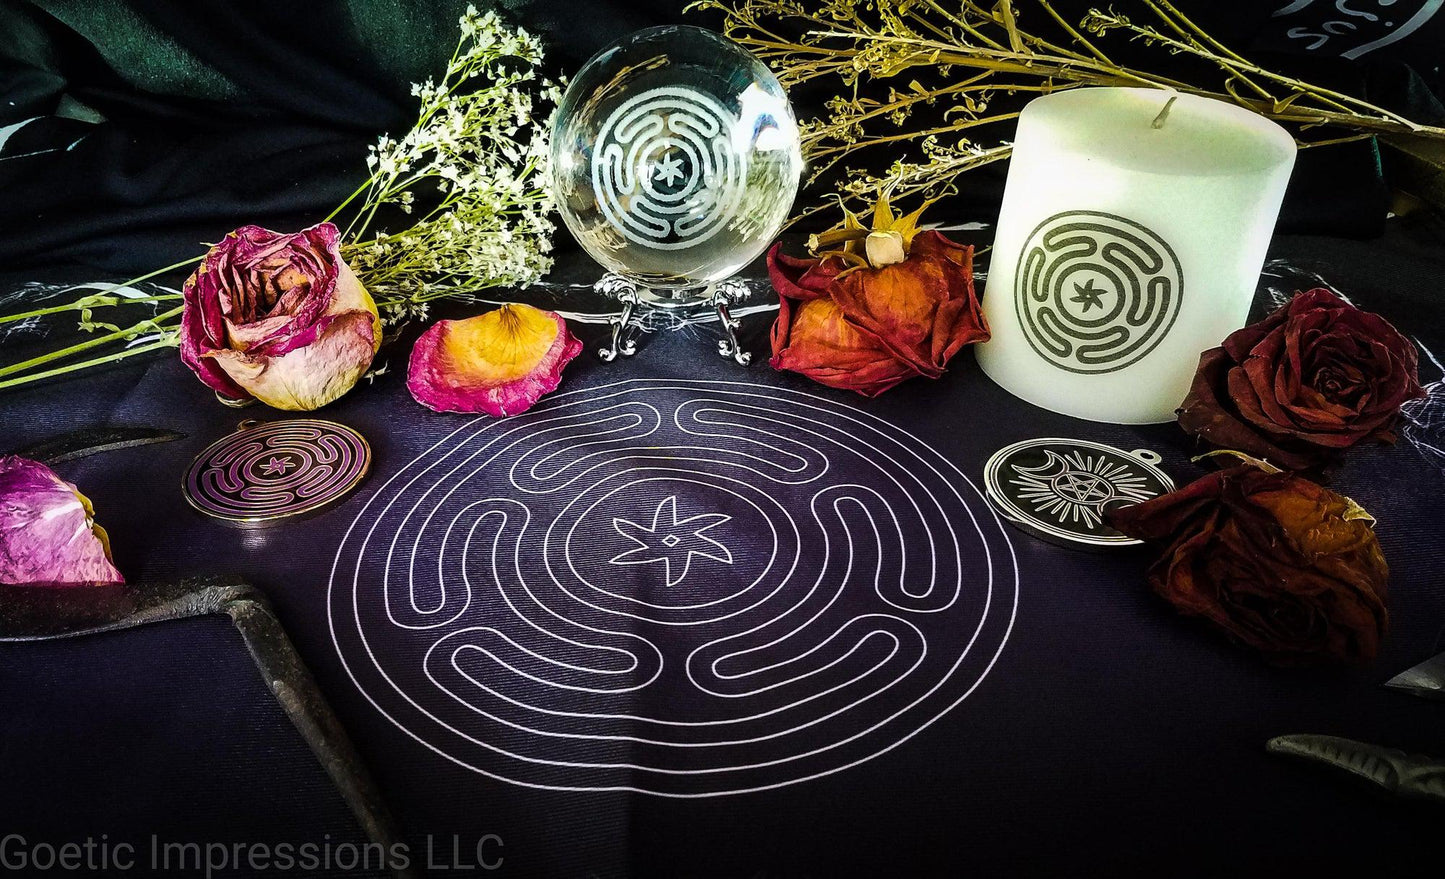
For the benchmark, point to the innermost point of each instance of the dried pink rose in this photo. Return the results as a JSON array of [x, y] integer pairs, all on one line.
[[499, 363], [47, 530], [277, 317]]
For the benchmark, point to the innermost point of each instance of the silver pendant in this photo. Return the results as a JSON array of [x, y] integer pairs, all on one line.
[[1061, 490]]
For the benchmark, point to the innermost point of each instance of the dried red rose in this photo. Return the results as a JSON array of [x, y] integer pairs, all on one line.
[[1279, 563], [866, 329], [1315, 377]]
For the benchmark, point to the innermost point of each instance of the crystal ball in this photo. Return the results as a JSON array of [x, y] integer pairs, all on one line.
[[675, 158]]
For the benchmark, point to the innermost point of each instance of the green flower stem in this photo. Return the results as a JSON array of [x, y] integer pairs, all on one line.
[[349, 199], [82, 304], [133, 281], [86, 364], [349, 233], [129, 332], [146, 277]]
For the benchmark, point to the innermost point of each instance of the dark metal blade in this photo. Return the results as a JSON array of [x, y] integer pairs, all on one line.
[[91, 440], [1426, 680], [1406, 775]]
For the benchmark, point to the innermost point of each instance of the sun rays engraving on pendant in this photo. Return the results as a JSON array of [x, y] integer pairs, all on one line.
[[1078, 488]]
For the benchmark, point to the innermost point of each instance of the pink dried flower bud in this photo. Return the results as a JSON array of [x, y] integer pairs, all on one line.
[[47, 530], [281, 318]]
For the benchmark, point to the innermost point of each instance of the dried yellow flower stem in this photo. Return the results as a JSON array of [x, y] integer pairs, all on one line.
[[883, 42]]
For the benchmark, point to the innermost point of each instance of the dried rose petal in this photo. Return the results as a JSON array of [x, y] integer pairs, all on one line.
[[499, 363], [47, 533], [814, 338], [924, 309]]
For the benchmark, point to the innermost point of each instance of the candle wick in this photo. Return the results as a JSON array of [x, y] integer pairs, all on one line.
[[1164, 113]]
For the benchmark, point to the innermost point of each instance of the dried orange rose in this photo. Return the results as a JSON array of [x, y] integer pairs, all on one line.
[[865, 321], [868, 329]]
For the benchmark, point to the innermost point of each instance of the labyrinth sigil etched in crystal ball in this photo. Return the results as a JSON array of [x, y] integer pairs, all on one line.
[[675, 160]]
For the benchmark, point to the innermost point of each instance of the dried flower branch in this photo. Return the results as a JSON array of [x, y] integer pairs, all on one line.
[[959, 57], [482, 152], [476, 158]]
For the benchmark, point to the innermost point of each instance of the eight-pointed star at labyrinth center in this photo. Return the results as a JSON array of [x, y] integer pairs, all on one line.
[[274, 466], [671, 541], [1088, 295], [669, 169]]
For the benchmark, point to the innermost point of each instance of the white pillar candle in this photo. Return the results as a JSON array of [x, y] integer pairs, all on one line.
[[1130, 241]]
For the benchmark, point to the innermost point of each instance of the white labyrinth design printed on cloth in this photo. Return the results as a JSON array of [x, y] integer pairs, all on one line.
[[661, 543], [835, 587], [664, 173]]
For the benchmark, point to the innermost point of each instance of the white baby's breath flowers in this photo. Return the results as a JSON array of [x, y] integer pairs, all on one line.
[[472, 172], [473, 169]]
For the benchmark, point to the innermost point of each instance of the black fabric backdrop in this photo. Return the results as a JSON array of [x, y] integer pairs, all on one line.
[[163, 731], [157, 124]]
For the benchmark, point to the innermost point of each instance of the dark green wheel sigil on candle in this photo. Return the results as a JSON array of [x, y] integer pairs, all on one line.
[[1096, 292]]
